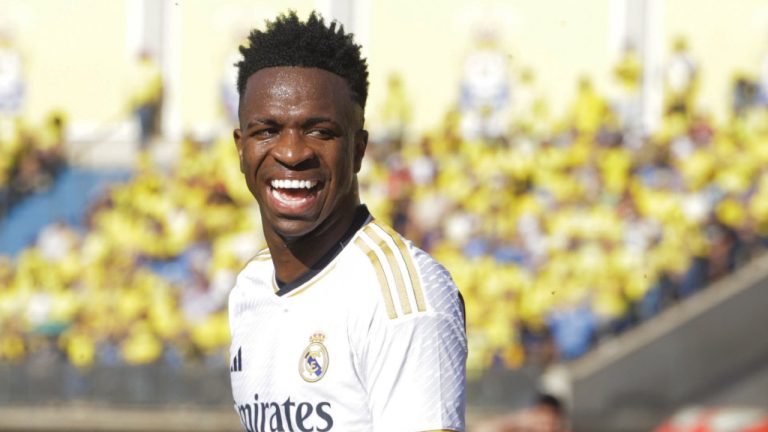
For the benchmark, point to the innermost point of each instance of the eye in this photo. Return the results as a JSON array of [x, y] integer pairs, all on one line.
[[322, 133], [264, 133]]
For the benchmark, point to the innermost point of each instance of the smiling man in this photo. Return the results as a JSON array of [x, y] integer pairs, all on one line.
[[340, 324]]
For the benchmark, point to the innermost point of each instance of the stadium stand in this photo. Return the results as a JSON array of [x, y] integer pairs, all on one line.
[[703, 352], [561, 238], [64, 201], [558, 240]]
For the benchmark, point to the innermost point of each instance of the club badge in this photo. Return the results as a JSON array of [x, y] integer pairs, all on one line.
[[314, 360]]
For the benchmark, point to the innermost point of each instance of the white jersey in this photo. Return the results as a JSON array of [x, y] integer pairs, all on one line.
[[375, 341]]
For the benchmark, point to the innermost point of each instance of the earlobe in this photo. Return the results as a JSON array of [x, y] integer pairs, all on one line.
[[237, 135], [361, 142]]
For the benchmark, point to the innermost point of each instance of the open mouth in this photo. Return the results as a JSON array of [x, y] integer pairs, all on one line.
[[294, 195]]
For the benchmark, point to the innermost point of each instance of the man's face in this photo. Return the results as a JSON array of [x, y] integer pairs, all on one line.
[[300, 144]]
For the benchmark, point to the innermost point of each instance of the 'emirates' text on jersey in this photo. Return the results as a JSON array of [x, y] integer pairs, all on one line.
[[373, 342]]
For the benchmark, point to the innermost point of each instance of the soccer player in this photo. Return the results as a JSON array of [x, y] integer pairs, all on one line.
[[340, 324]]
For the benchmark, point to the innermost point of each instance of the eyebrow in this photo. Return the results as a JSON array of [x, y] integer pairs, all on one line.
[[312, 121], [316, 120], [261, 121]]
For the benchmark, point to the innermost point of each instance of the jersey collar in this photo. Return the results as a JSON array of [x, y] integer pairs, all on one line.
[[362, 216]]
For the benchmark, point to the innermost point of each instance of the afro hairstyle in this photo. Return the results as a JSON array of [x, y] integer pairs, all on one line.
[[289, 42]]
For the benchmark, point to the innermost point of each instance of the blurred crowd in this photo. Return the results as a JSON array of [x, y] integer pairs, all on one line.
[[30, 157], [147, 278], [559, 241], [563, 232], [559, 232]]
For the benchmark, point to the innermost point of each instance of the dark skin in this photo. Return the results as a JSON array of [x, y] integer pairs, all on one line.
[[301, 125]]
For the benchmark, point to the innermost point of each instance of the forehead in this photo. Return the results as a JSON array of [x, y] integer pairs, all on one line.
[[284, 88]]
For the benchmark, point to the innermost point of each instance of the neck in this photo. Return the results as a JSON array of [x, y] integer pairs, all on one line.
[[293, 257]]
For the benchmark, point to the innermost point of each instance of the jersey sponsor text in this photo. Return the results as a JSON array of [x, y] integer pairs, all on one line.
[[289, 416]]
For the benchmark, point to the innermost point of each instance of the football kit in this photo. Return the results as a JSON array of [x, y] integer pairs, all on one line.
[[372, 338]]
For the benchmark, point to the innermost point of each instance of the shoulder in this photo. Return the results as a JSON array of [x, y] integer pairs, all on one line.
[[253, 279], [407, 279], [258, 268]]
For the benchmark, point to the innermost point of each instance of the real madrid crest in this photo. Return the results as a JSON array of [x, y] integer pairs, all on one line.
[[313, 363]]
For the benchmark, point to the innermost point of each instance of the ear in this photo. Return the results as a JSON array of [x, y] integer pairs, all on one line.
[[361, 142], [238, 135]]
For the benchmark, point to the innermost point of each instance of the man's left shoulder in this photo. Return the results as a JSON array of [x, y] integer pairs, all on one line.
[[411, 270]]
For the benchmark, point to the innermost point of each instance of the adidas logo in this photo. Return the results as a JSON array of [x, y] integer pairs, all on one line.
[[237, 361]]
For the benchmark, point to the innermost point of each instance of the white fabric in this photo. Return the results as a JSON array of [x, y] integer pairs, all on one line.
[[378, 372]]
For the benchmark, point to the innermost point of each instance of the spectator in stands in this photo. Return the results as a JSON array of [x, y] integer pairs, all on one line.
[[546, 414], [12, 345], [12, 84], [681, 77], [146, 96], [745, 95], [485, 92], [30, 159], [628, 73], [588, 109], [395, 117]]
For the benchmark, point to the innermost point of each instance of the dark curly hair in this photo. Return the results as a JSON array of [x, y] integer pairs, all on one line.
[[289, 42]]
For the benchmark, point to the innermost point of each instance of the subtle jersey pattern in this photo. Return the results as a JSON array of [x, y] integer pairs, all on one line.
[[373, 342]]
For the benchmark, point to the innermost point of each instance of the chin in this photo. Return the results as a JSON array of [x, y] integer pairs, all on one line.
[[291, 230]]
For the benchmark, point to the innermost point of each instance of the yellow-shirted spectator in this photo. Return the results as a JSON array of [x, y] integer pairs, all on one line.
[[396, 112], [697, 169], [731, 212], [79, 344], [146, 92], [589, 108], [211, 333], [141, 346], [615, 164], [609, 301], [12, 345], [629, 71]]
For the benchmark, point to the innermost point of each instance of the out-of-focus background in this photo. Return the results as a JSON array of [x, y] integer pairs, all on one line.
[[594, 174]]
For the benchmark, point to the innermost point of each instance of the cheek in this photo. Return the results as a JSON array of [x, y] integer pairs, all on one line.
[[347, 158], [250, 163], [344, 167], [251, 160]]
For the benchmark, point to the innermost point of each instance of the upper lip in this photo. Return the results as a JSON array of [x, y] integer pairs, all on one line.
[[286, 174]]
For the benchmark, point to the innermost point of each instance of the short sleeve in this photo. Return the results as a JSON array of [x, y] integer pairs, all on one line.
[[414, 367]]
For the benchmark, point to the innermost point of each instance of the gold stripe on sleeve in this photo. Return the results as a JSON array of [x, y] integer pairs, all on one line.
[[414, 276], [380, 275], [394, 265]]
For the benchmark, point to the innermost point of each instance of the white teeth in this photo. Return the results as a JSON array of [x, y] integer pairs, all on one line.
[[293, 184]]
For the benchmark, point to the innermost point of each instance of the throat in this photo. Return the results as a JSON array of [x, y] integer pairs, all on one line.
[[298, 267]]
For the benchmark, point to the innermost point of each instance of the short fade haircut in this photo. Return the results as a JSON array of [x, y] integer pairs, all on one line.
[[289, 42]]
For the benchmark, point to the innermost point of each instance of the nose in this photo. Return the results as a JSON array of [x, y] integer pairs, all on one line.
[[291, 150]]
